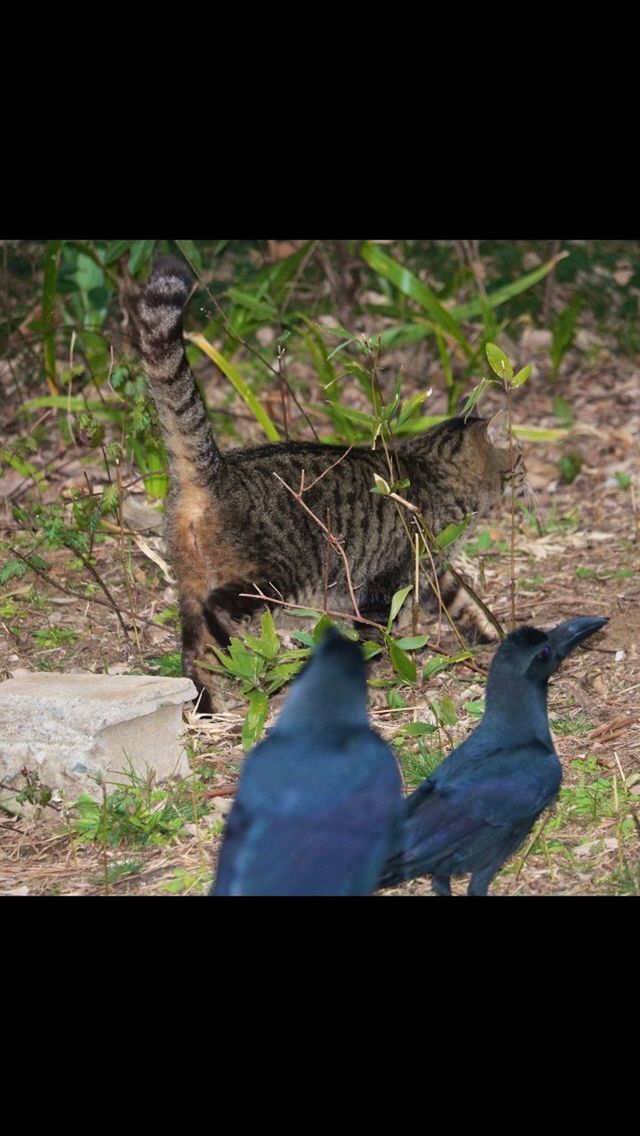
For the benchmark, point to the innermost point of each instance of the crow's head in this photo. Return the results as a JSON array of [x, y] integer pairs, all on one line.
[[536, 654]]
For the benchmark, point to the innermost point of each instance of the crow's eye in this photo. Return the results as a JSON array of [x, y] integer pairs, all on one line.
[[545, 652]]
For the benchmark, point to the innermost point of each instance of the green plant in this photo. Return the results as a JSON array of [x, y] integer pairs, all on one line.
[[485, 543], [117, 871], [33, 791], [569, 466], [552, 521], [568, 726], [136, 812], [169, 665], [262, 666], [446, 324], [417, 761], [563, 332], [48, 638], [584, 573], [183, 882]]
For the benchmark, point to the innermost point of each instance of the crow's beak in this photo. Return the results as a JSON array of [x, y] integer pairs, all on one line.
[[566, 636]]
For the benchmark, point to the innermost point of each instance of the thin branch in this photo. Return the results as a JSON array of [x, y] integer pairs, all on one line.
[[306, 488]]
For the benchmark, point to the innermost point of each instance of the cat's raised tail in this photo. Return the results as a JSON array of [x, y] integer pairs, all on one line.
[[193, 455]]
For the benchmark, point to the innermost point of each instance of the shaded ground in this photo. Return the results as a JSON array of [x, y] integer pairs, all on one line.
[[582, 559]]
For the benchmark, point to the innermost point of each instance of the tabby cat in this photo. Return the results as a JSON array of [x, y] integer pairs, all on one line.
[[232, 525]]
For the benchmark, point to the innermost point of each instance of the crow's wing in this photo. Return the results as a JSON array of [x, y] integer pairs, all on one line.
[[467, 808], [312, 818]]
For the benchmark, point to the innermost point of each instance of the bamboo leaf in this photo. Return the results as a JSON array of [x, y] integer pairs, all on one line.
[[255, 719], [402, 664], [191, 254], [141, 252], [499, 362], [521, 376], [381, 486], [410, 286], [416, 729], [452, 532], [413, 642], [115, 250], [397, 602], [72, 404], [445, 711]]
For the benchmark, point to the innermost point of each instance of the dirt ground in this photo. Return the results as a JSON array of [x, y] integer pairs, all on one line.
[[583, 559]]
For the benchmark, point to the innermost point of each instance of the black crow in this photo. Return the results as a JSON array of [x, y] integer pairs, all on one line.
[[477, 807], [319, 802]]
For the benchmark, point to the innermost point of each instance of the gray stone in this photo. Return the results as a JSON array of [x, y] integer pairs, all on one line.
[[69, 729]]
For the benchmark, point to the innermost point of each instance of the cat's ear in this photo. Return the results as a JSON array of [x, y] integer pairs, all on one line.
[[498, 430]]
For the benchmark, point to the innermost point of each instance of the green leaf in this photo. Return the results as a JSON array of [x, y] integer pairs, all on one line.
[[476, 708], [539, 434], [570, 466], [409, 285], [397, 602], [452, 532], [441, 662], [255, 719], [413, 642], [411, 407], [74, 404], [499, 362], [381, 486], [141, 252], [475, 396], [191, 254], [151, 460], [563, 331], [304, 612], [283, 673], [445, 711], [268, 644], [402, 664], [521, 376], [562, 410], [12, 570], [370, 649], [416, 729], [259, 309], [115, 250], [303, 636], [405, 333], [246, 663]]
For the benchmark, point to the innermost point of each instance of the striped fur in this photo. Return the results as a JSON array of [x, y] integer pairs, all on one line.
[[231, 525]]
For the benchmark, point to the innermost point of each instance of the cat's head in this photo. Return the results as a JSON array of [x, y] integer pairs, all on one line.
[[506, 453], [490, 457]]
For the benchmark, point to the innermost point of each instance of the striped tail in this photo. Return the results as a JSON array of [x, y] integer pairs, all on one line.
[[194, 456]]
